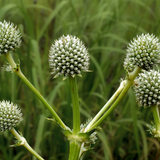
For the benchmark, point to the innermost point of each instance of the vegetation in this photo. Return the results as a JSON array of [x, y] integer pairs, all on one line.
[[106, 27]]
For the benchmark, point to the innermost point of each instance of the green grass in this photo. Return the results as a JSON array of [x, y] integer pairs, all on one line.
[[106, 27]]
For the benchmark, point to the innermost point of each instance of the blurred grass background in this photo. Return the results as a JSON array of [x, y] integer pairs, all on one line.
[[106, 27]]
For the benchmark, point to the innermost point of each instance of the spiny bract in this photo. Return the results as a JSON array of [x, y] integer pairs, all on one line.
[[10, 116], [10, 37], [68, 57], [144, 52], [147, 89]]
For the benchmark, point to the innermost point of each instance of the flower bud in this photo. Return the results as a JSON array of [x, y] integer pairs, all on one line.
[[144, 52], [10, 115], [153, 131], [10, 37], [147, 89], [68, 57]]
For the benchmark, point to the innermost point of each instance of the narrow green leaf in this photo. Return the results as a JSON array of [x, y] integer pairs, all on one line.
[[6, 9], [51, 17], [99, 70]]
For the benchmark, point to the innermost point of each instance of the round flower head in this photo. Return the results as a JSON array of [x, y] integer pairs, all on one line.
[[68, 57], [144, 52], [10, 116], [147, 89], [10, 37]]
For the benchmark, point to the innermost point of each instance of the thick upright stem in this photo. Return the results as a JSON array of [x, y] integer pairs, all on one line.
[[74, 150], [24, 143], [155, 112], [75, 145], [75, 105], [18, 71]]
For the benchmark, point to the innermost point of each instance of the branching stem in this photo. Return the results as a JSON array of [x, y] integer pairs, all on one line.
[[105, 107], [129, 83], [24, 143], [18, 71]]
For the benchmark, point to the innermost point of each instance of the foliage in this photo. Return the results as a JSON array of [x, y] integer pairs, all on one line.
[[106, 27]]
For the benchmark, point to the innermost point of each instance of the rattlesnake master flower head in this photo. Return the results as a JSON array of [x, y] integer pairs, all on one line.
[[10, 37], [144, 52], [68, 57], [10, 116], [147, 88]]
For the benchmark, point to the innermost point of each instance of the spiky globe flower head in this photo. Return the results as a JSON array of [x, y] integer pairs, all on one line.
[[144, 52], [68, 57], [147, 89], [10, 116], [10, 37]]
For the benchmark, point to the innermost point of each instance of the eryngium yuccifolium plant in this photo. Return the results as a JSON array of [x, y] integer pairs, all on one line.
[[144, 52], [10, 116], [147, 89], [10, 37], [68, 56]]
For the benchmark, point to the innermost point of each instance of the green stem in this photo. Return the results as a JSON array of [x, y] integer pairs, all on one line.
[[74, 150], [105, 107], [17, 70], [75, 105], [24, 143], [129, 83], [155, 112], [75, 145]]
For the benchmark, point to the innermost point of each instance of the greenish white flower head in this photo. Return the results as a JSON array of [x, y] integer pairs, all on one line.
[[147, 89], [10, 116], [68, 57], [10, 37], [144, 52]]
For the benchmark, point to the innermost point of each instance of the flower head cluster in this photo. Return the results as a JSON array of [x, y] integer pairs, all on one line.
[[10, 116], [144, 52], [68, 56], [10, 37], [147, 89]]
